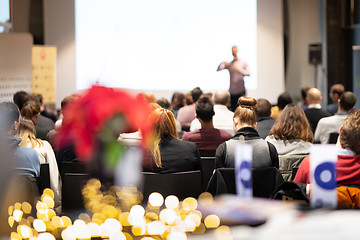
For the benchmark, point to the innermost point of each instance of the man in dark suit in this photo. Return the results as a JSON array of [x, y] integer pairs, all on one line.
[[314, 112], [264, 121]]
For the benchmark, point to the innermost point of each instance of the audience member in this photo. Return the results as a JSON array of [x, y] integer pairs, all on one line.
[[26, 160], [177, 102], [348, 164], [164, 103], [149, 97], [291, 133], [187, 113], [264, 121], [223, 116], [283, 100], [314, 112], [44, 152], [336, 91], [170, 154], [43, 111], [331, 124], [264, 153], [20, 98], [208, 137], [304, 104], [43, 125]]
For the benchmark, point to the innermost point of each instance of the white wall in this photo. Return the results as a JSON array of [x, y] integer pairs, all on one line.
[[60, 31]]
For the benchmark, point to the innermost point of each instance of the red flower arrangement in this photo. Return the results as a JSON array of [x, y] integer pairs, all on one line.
[[96, 118]]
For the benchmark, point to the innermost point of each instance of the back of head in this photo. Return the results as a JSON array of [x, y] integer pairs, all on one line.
[[350, 133], [222, 97], [67, 100], [338, 89], [196, 93], [283, 100], [30, 110], [19, 98], [347, 101], [304, 91], [245, 112], [164, 122], [292, 124], [204, 109], [148, 97], [234, 51], [178, 99], [262, 108], [163, 102], [27, 126], [313, 96], [9, 113]]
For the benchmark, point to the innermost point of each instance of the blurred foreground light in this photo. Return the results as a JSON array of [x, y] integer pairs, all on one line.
[[113, 224], [190, 203], [124, 219], [66, 220], [26, 207], [176, 236], [17, 206], [138, 230], [48, 192], [222, 231], [46, 236], [171, 202], [15, 236], [57, 222], [168, 216], [40, 206], [17, 215], [39, 225], [155, 228], [10, 210], [137, 211], [189, 225], [212, 221], [93, 229], [156, 199], [11, 221], [24, 231], [205, 198], [68, 233], [117, 236], [195, 218], [48, 201]]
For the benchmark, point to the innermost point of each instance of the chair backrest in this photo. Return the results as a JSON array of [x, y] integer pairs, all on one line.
[[72, 167], [44, 179], [207, 153], [265, 181], [72, 184], [333, 137], [180, 184], [288, 162], [207, 169]]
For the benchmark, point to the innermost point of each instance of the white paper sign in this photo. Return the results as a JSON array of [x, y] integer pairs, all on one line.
[[243, 178], [323, 160]]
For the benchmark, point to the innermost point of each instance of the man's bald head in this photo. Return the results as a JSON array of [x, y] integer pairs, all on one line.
[[313, 96], [222, 97]]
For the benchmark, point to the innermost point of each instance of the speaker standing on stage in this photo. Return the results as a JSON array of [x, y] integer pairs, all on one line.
[[237, 70]]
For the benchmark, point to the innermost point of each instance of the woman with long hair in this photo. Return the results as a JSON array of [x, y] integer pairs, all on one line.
[[291, 134], [244, 123], [168, 152], [45, 152]]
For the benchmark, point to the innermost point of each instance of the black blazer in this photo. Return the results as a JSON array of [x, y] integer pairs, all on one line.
[[314, 115]]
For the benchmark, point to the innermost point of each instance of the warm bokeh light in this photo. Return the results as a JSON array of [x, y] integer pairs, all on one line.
[[46, 236], [68, 233], [189, 204], [195, 218], [40, 206], [189, 225], [205, 198], [138, 230], [117, 236], [137, 211], [57, 222], [156, 199], [17, 206], [168, 216], [26, 207], [124, 219], [49, 192], [18, 214], [200, 229], [24, 231], [67, 221], [93, 229], [171, 201], [222, 230], [177, 236], [11, 221], [39, 225], [155, 228], [15, 236], [48, 201], [212, 221]]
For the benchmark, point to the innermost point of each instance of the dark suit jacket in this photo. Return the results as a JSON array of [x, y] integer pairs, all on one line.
[[314, 115], [43, 125], [264, 125], [177, 156]]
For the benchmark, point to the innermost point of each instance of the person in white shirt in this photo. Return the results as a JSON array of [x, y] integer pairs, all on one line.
[[223, 118], [331, 124], [45, 152]]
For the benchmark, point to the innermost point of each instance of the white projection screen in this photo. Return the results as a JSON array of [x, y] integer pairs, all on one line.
[[163, 45]]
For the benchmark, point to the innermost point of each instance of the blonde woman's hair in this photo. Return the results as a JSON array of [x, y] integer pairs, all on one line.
[[164, 125], [27, 133]]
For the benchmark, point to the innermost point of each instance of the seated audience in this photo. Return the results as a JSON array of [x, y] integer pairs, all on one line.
[[264, 153], [208, 137], [283, 100], [336, 91], [291, 133], [163, 102], [348, 164], [187, 114], [304, 104], [331, 124], [177, 102], [170, 154], [223, 116], [314, 112], [45, 153], [26, 160], [263, 119], [44, 112]]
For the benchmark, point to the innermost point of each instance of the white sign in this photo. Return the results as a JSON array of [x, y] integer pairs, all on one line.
[[323, 160], [243, 178]]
